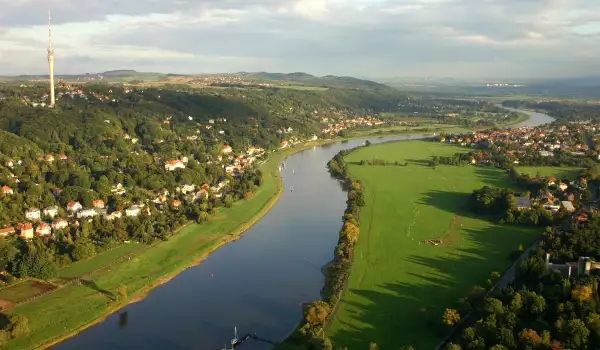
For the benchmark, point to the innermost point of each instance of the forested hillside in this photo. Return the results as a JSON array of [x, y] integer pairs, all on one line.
[[110, 164]]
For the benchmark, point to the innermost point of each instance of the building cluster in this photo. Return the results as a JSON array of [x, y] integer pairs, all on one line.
[[50, 219], [211, 80], [341, 121], [545, 139], [559, 193]]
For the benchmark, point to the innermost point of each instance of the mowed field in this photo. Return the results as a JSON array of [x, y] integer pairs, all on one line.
[[560, 173], [400, 285]]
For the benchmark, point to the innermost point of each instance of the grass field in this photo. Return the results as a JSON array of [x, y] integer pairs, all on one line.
[[399, 285], [80, 268], [394, 130], [560, 173], [19, 292]]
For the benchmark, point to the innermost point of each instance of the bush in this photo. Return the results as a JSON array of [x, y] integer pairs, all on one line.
[[83, 251]]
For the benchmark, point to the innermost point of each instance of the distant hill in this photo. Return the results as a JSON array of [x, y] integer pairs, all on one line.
[[308, 79]]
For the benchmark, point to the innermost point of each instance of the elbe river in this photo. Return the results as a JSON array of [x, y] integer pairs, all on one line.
[[260, 280]]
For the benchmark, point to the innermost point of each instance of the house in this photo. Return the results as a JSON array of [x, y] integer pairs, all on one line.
[[63, 157], [226, 150], [43, 229], [174, 164], [551, 181], [87, 213], [176, 203], [74, 206], [99, 203], [284, 143], [26, 231], [7, 190], [186, 188], [114, 215], [230, 169], [523, 203], [51, 212], [57, 191], [60, 224], [132, 211], [49, 158], [118, 189], [33, 214], [550, 204], [9, 163], [6, 231], [568, 206], [563, 186]]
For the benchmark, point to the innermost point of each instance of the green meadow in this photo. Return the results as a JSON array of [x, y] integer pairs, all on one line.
[[571, 173], [400, 285]]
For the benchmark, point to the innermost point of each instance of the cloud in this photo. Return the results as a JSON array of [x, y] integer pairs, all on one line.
[[349, 37]]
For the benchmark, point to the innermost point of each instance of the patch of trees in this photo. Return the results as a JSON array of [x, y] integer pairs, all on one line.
[[382, 162], [459, 159], [13, 326], [541, 310]]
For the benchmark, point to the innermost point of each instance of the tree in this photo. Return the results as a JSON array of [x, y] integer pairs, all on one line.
[[123, 292], [581, 293], [451, 317], [82, 251], [19, 325], [576, 334], [530, 337], [373, 346]]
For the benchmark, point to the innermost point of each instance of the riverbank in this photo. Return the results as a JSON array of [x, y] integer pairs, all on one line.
[[70, 310]]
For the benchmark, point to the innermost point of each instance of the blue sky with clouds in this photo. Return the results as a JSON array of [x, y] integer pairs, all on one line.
[[373, 38]]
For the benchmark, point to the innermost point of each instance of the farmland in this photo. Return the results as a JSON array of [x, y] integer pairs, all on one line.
[[400, 285]]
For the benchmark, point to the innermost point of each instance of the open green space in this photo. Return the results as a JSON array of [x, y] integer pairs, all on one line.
[[571, 173], [395, 130], [81, 268], [399, 284], [19, 292]]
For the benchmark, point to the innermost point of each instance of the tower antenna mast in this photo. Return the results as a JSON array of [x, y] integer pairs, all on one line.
[[50, 60]]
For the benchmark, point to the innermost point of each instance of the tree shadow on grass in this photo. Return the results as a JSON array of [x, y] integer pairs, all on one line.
[[422, 162], [452, 202], [408, 311], [92, 285], [491, 176]]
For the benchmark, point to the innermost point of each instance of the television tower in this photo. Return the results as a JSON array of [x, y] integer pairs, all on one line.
[[50, 61]]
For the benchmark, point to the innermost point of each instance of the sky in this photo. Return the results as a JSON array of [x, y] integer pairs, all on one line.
[[364, 38]]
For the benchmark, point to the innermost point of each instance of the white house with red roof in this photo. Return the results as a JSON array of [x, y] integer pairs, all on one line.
[[172, 165], [98, 203], [226, 149], [74, 206], [7, 190], [26, 231], [43, 229], [51, 211], [6, 231]]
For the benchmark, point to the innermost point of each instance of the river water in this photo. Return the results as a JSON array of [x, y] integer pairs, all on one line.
[[260, 280]]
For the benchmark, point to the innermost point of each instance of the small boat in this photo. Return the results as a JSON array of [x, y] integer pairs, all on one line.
[[291, 188]]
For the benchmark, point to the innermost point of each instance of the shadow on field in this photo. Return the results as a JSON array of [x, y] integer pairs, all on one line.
[[490, 176], [452, 202], [91, 284], [401, 313]]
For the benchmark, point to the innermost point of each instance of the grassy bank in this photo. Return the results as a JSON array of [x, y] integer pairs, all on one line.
[[399, 284], [69, 310]]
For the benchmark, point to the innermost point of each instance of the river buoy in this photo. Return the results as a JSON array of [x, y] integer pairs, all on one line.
[[212, 275]]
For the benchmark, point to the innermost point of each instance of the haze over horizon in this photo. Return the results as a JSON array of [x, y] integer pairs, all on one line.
[[377, 38]]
